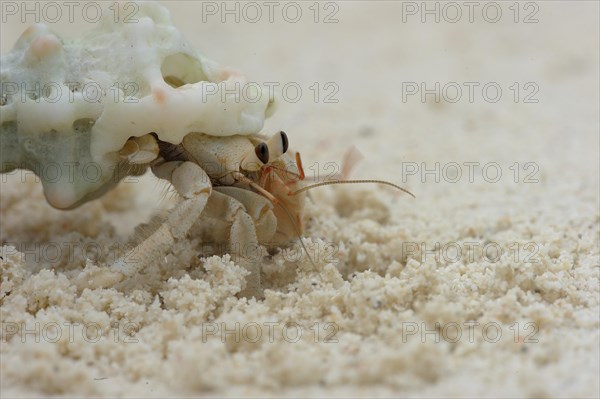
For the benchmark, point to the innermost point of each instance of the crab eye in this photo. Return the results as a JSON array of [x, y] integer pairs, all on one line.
[[278, 144], [262, 152], [284, 141]]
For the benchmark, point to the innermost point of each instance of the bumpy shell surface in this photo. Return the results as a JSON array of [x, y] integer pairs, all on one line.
[[68, 106]]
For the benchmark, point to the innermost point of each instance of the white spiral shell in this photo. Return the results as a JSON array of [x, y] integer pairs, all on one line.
[[74, 102]]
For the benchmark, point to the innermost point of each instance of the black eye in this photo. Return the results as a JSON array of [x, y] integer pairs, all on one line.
[[262, 152], [284, 141]]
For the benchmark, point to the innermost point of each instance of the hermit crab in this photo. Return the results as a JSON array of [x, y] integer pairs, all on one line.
[[83, 114]]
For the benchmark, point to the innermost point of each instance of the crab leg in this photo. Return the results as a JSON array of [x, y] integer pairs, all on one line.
[[243, 241], [193, 184], [257, 206]]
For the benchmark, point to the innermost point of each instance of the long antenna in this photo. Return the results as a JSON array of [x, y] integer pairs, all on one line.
[[327, 183]]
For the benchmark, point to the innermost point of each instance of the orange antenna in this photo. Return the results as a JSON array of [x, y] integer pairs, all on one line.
[[299, 165]]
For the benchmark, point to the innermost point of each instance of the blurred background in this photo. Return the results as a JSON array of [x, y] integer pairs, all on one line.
[[487, 111], [358, 72]]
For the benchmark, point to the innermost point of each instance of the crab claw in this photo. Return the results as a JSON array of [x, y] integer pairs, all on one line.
[[140, 150]]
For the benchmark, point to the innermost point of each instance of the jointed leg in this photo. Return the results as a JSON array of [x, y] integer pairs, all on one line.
[[258, 207], [243, 242], [192, 183]]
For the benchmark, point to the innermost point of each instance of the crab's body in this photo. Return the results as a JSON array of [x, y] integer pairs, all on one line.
[[161, 106], [241, 188], [265, 190]]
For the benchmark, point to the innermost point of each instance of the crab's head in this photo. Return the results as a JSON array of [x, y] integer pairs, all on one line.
[[278, 174]]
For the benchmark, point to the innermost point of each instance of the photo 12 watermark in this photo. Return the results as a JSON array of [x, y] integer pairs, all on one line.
[[54, 332], [470, 92], [68, 172], [58, 252], [253, 12], [56, 12], [469, 331], [452, 12], [471, 251], [270, 331], [327, 92], [125, 332], [470, 172]]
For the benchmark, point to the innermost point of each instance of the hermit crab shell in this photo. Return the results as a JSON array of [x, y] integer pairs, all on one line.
[[68, 106]]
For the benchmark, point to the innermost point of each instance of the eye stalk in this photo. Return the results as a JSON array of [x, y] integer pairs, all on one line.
[[278, 144]]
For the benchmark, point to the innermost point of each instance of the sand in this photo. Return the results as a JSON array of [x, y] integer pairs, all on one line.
[[484, 285]]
